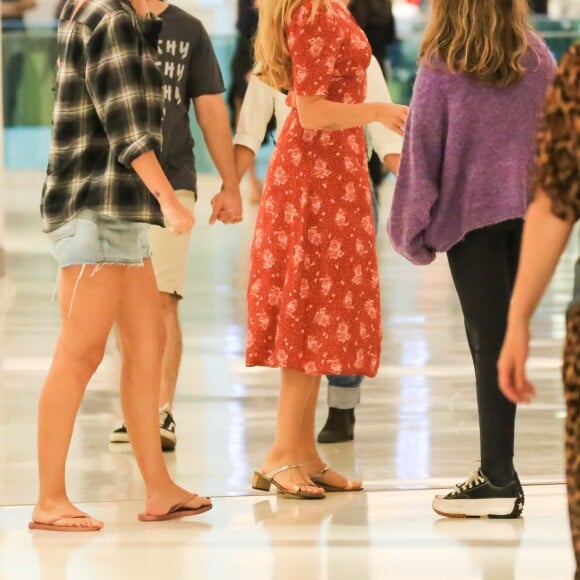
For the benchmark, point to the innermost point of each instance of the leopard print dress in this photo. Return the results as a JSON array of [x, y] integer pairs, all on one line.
[[558, 176]]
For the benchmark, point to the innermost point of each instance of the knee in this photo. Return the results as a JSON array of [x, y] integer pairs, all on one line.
[[82, 358]]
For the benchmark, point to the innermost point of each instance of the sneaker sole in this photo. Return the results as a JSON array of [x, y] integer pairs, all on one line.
[[168, 439], [334, 440], [500, 508]]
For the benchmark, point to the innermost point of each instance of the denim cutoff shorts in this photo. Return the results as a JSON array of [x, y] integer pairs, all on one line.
[[92, 238]]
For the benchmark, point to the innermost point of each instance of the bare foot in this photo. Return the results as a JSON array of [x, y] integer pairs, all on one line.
[[331, 480], [291, 479], [162, 503], [62, 515]]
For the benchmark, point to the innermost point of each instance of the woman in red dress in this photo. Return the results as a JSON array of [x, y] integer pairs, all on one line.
[[313, 296]]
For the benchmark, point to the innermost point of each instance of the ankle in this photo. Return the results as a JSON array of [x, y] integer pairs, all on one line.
[[280, 456], [48, 500], [500, 472], [49, 504]]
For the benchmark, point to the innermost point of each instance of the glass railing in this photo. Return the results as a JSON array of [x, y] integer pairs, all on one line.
[[28, 76]]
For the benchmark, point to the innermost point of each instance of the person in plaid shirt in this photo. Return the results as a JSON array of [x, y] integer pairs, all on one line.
[[104, 187]]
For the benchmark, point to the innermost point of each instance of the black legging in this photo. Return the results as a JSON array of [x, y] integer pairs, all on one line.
[[483, 266]]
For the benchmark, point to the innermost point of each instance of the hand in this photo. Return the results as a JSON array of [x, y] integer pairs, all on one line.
[[227, 206], [392, 116], [511, 365], [178, 219]]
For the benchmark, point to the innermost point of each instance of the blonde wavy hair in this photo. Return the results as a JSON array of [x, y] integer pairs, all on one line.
[[272, 59], [485, 39]]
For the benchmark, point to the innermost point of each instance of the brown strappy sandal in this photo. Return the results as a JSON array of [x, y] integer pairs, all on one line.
[[318, 479], [263, 482]]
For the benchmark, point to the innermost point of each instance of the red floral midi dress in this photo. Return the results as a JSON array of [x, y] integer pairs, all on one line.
[[313, 294]]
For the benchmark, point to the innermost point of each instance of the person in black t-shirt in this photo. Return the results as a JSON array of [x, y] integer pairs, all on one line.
[[191, 75]]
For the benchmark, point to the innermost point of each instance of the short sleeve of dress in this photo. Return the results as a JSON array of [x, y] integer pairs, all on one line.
[[558, 153], [314, 44]]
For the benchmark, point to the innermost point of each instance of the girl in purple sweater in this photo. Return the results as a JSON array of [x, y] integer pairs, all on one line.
[[463, 189]]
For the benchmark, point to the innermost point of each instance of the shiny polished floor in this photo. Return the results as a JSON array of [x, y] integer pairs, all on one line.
[[416, 431]]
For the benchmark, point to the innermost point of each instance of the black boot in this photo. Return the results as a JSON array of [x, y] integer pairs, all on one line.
[[339, 426]]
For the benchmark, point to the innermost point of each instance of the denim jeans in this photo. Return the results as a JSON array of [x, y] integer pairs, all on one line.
[[344, 390]]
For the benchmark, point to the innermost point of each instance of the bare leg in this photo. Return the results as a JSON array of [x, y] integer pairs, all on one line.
[[99, 297], [310, 458], [294, 394], [141, 330], [79, 350], [173, 348]]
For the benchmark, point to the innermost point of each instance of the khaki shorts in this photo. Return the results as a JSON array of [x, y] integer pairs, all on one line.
[[169, 252]]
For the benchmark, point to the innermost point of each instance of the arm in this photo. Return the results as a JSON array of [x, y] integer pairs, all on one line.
[[544, 239], [257, 110], [128, 119], [417, 187], [318, 113], [549, 222], [244, 157], [255, 114], [212, 116], [177, 218], [205, 85], [387, 144], [314, 44]]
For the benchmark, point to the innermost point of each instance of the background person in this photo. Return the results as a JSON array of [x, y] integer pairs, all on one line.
[[463, 189], [191, 75], [260, 103], [549, 223]]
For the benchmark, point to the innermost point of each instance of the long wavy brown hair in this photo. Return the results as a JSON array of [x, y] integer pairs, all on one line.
[[485, 39], [272, 59]]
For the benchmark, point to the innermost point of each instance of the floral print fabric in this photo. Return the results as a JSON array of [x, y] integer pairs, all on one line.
[[313, 295]]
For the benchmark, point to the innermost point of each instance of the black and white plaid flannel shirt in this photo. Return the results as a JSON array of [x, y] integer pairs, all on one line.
[[108, 111]]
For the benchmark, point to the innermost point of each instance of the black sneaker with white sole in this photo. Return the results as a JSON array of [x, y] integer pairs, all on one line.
[[478, 497], [119, 435], [166, 430]]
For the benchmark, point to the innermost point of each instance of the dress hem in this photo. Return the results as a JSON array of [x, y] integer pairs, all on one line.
[[319, 372]]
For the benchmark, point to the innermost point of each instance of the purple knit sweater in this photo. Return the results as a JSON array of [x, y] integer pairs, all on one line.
[[467, 156]]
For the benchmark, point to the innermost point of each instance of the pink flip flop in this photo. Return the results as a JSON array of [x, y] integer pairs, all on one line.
[[51, 526], [177, 511]]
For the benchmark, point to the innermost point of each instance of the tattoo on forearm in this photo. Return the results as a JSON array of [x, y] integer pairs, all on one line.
[[331, 127], [156, 194]]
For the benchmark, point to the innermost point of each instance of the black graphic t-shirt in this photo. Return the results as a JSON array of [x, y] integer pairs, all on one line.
[[190, 69]]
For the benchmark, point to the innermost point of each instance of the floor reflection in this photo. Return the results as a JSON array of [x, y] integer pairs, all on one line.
[[416, 429], [492, 545]]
